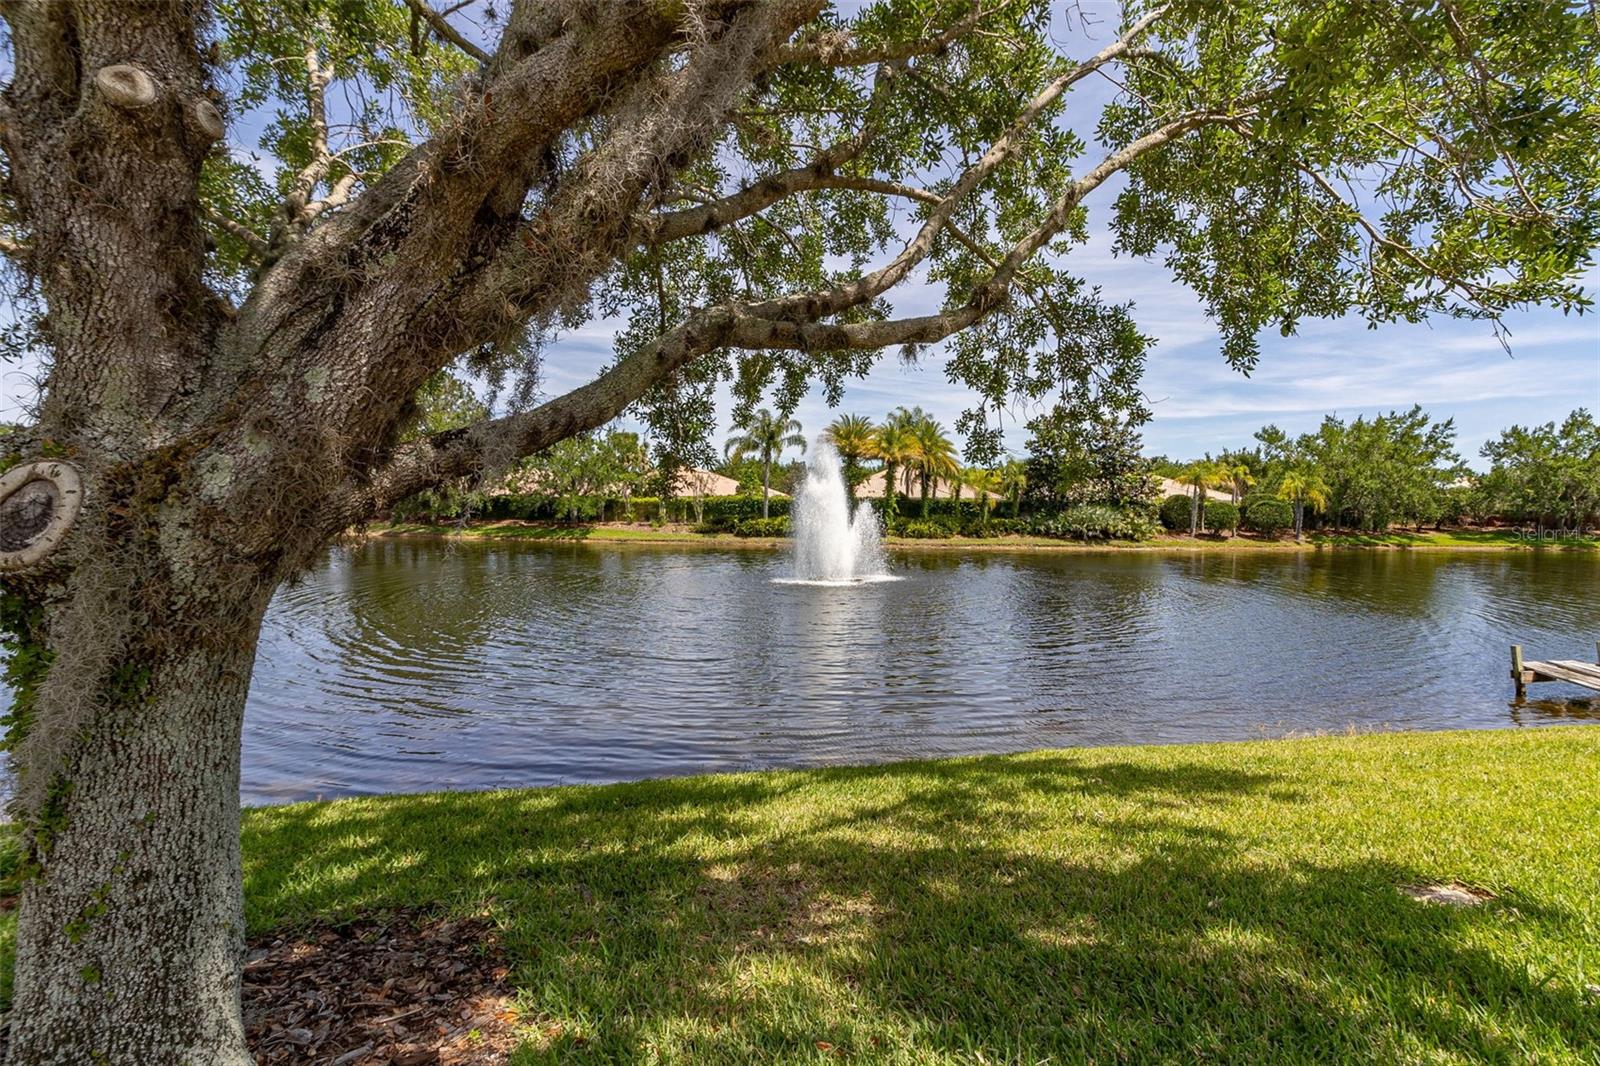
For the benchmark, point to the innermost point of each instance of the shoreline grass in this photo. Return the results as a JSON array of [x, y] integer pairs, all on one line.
[[1238, 901], [1452, 540]]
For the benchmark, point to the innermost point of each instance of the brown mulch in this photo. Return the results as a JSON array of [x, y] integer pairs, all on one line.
[[402, 990]]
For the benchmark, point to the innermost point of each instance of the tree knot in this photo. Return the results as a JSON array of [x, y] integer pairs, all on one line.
[[126, 86]]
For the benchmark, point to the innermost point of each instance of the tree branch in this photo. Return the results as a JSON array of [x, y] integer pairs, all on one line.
[[676, 225], [445, 31], [294, 206], [249, 237], [466, 452], [493, 443], [836, 49], [585, 221], [12, 248], [870, 286]]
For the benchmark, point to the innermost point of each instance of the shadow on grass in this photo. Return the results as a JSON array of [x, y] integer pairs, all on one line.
[[1021, 908]]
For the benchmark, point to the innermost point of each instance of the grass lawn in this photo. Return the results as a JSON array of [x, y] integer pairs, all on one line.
[[1489, 539], [1237, 902]]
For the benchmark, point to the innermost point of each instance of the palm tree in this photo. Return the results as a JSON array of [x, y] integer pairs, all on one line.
[[1200, 475], [1013, 481], [936, 456], [765, 436], [1239, 480], [984, 484], [855, 438], [896, 447], [1301, 485]]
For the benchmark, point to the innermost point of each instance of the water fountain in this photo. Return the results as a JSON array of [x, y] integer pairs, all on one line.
[[832, 546]]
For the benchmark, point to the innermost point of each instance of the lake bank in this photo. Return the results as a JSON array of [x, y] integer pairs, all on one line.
[[1247, 899], [1451, 540]]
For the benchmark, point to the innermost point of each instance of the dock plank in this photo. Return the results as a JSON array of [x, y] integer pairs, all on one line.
[[1570, 670], [1591, 669]]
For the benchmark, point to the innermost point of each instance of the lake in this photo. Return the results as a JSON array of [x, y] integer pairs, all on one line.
[[415, 664]]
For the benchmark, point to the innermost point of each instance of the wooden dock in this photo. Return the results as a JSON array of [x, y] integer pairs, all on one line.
[[1572, 671]]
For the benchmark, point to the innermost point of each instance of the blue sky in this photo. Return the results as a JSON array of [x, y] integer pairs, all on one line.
[[1454, 369]]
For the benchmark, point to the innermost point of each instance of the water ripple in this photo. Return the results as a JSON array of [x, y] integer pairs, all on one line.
[[410, 665]]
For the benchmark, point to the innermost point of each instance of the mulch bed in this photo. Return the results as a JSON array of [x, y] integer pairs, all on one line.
[[402, 990]]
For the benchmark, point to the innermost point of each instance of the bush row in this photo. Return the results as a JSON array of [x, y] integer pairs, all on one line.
[[1076, 523], [741, 516], [1084, 522], [1257, 512]]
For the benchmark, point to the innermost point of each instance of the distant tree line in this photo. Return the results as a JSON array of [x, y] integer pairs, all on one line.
[[1398, 469], [1546, 475]]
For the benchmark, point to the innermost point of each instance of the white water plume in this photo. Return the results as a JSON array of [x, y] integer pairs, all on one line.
[[832, 545]]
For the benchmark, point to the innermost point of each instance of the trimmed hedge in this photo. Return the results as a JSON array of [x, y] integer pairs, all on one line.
[[1269, 517], [739, 508], [1221, 515], [776, 526], [1175, 512]]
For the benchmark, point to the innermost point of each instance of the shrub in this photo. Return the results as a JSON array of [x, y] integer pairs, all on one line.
[[1175, 512], [1095, 522], [776, 526], [1250, 499], [918, 529], [1221, 515], [734, 509], [936, 526], [1268, 516], [638, 509], [977, 527]]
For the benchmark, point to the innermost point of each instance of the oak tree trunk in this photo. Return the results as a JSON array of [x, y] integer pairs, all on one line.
[[130, 936]]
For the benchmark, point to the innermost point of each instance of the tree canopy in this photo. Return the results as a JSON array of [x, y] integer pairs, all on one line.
[[746, 186]]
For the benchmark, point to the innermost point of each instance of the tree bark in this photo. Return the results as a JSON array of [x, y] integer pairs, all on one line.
[[130, 937]]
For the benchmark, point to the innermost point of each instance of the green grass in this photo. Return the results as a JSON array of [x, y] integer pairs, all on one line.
[[1498, 540], [518, 531], [1233, 902], [1457, 538]]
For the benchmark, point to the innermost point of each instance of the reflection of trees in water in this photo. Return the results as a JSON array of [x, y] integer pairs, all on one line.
[[420, 601], [1554, 711], [1542, 590], [1546, 591], [1396, 583]]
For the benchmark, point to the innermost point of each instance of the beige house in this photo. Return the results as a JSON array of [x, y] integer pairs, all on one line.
[[872, 487], [1169, 487], [694, 482]]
